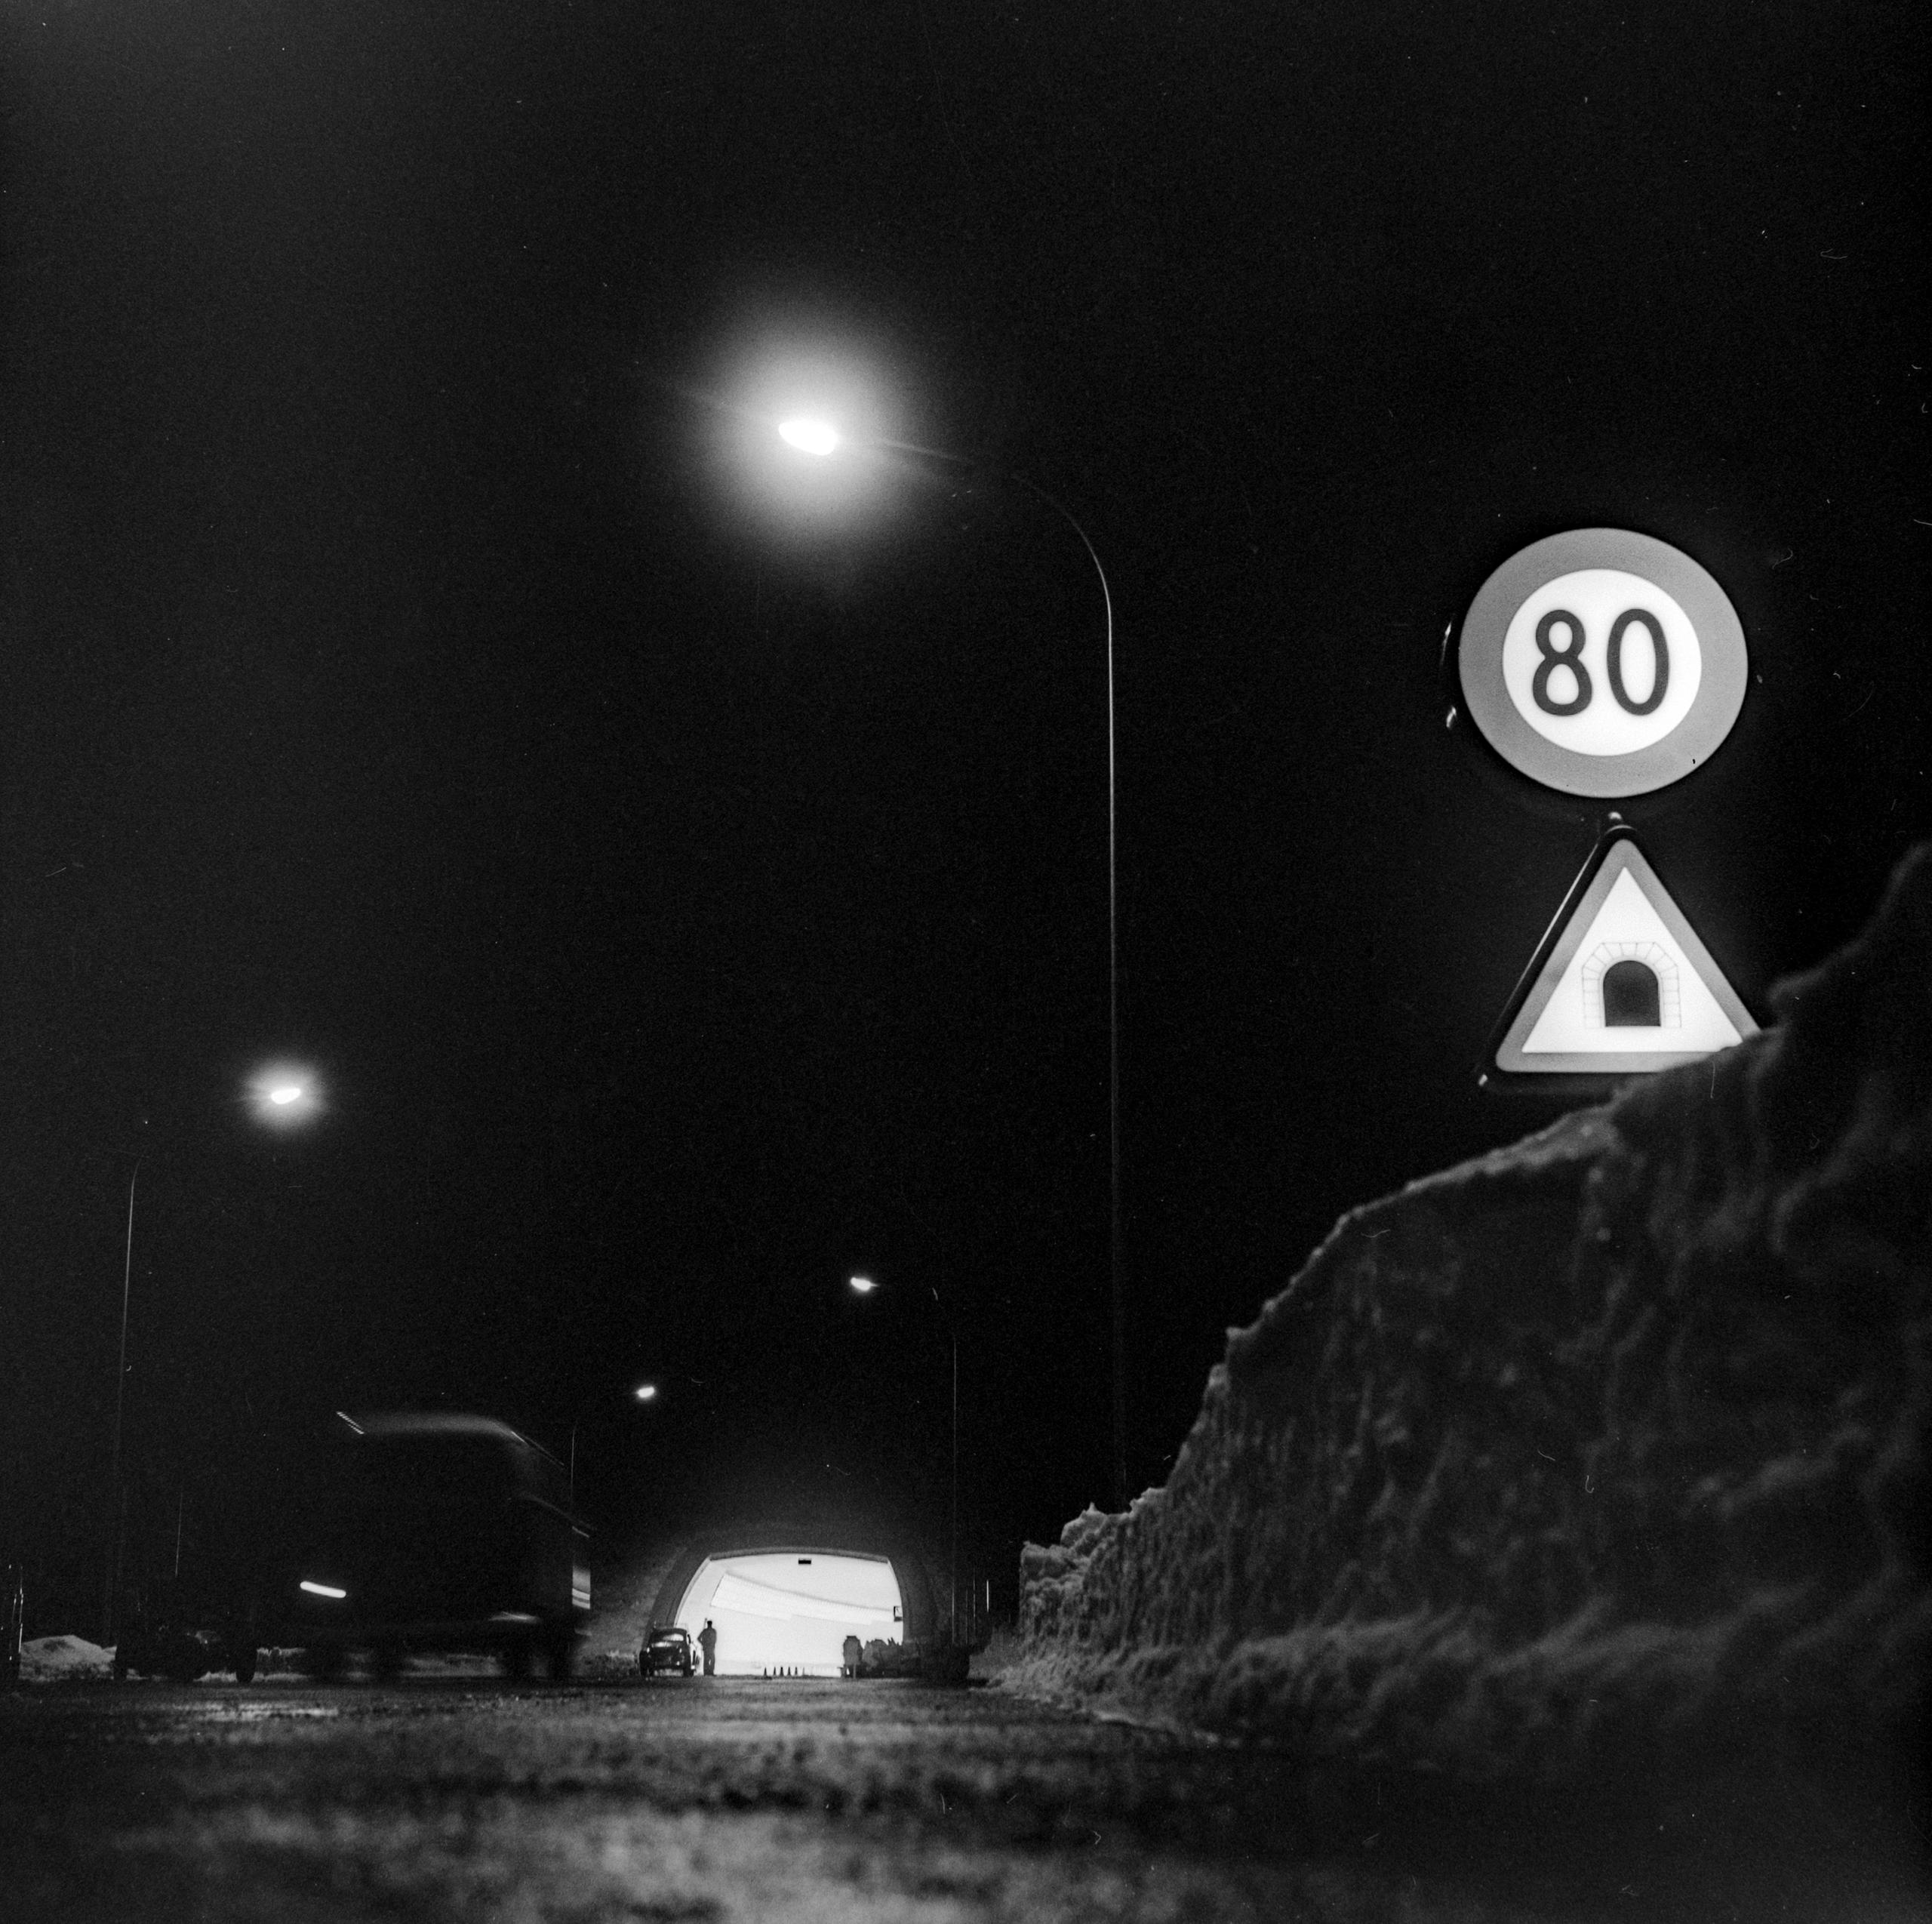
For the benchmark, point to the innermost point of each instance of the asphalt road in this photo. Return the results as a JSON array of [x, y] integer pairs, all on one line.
[[464, 1797]]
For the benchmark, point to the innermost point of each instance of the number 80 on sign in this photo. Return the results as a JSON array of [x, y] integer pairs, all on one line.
[[1610, 677]]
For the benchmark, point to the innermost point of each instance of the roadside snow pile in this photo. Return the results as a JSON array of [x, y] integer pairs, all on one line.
[[1614, 1437], [59, 1659]]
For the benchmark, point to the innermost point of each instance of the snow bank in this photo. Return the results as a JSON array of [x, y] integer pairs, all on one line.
[[1615, 1435], [57, 1659]]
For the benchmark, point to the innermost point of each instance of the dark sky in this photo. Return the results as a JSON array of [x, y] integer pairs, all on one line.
[[681, 916]]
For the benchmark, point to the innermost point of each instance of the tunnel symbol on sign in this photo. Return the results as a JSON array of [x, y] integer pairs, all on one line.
[[1631, 985], [1621, 983]]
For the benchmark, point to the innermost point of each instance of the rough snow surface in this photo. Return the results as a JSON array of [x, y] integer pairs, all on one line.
[[1614, 1437], [55, 1659]]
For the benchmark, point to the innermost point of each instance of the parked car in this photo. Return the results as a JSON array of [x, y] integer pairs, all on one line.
[[667, 1648], [436, 1533]]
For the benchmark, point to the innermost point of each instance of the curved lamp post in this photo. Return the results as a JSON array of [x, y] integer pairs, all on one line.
[[818, 438]]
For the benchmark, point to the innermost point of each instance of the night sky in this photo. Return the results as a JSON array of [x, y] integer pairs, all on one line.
[[405, 674]]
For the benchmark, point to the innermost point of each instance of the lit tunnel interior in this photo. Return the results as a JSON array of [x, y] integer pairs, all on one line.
[[792, 1610]]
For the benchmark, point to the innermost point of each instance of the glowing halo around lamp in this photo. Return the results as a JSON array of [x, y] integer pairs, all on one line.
[[284, 1095], [809, 436], [805, 409]]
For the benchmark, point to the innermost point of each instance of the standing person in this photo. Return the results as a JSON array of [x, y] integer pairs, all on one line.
[[707, 1639]]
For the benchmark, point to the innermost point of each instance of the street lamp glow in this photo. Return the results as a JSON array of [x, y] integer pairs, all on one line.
[[807, 409], [811, 437], [644, 1392], [284, 1095], [865, 1286]]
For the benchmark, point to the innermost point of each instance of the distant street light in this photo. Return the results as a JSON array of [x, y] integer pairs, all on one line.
[[865, 1286], [813, 435], [644, 1393], [280, 1095]]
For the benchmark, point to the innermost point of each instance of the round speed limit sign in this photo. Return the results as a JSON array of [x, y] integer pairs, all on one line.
[[1601, 661]]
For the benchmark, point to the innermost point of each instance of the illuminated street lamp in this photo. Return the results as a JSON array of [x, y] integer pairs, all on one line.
[[281, 1096], [809, 436], [864, 1285], [815, 435], [644, 1393]]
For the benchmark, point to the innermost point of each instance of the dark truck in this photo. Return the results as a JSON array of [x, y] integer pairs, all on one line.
[[433, 1533]]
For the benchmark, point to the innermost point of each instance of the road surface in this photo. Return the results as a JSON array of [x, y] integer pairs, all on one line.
[[462, 1797]]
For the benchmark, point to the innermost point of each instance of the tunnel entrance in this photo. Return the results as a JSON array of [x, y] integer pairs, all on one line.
[[1631, 997], [792, 1610]]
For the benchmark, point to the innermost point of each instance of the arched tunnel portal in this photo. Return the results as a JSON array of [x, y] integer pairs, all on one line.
[[786, 1592]]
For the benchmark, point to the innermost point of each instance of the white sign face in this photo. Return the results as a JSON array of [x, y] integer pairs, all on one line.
[[1602, 663], [1626, 986], [1668, 1006]]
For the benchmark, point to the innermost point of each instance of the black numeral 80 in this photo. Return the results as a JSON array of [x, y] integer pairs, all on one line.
[[1570, 655]]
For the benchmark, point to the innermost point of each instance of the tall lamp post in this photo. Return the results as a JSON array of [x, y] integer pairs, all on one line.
[[110, 1581], [864, 1285], [820, 439], [280, 1097]]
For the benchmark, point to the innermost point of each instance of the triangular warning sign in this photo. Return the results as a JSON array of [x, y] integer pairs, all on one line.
[[1621, 985]]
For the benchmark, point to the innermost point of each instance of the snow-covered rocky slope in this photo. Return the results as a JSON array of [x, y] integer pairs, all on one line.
[[1614, 1438]]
